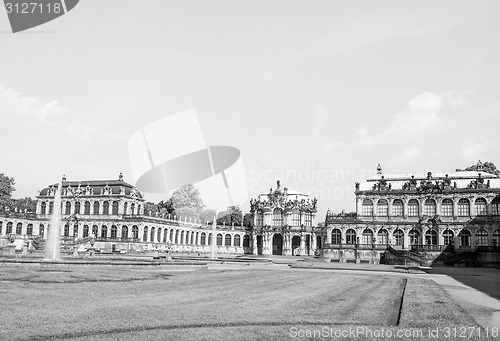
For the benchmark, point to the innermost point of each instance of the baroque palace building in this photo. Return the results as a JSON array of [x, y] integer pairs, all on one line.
[[283, 223], [112, 211], [427, 215]]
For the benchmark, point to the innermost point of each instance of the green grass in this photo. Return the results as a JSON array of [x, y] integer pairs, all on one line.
[[87, 303]]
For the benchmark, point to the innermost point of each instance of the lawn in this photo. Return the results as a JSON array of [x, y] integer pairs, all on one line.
[[113, 303]]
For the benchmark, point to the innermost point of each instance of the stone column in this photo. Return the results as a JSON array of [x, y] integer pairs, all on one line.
[[406, 239], [302, 245], [254, 245]]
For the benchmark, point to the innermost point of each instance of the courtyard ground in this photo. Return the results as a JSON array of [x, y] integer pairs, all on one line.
[[225, 302]]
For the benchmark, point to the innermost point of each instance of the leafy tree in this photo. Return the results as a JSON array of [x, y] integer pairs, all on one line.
[[207, 215], [232, 215], [6, 189], [488, 167], [247, 219], [187, 213], [223, 218], [187, 196], [166, 207], [150, 208], [25, 205]]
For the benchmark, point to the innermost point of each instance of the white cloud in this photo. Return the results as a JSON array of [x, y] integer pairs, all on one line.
[[80, 129], [11, 101], [330, 147]]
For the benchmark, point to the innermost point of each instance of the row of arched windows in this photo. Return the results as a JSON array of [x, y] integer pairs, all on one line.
[[429, 207], [430, 237], [278, 216], [89, 208], [9, 228]]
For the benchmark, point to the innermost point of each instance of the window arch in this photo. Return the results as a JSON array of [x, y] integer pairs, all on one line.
[[158, 235], [430, 207], [19, 228], [413, 208], [96, 207], [383, 207], [481, 237], [135, 231], [296, 217], [431, 237], [463, 207], [152, 234], [495, 206], [66, 230], [29, 230], [397, 208], [104, 231], [259, 219], [246, 241], [414, 237], [115, 208], [44, 208], [86, 209], [447, 207], [51, 207], [8, 229], [132, 208], [219, 239], [95, 230], [68, 208], [480, 206], [383, 237], [398, 237], [367, 207], [464, 237], [336, 236], [367, 236], [350, 236], [172, 236], [237, 240], [124, 231], [114, 231], [77, 207], [448, 237], [203, 239], [227, 240], [85, 231], [105, 207], [145, 234], [277, 217]]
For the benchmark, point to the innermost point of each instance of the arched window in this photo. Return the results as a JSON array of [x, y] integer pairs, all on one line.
[[383, 237], [219, 239], [86, 209], [246, 241], [85, 231], [464, 237], [463, 208], [8, 230], [383, 207], [350, 236], [181, 240], [132, 208], [495, 206], [259, 219], [96, 207], [308, 219], [51, 207], [448, 237], [29, 230], [397, 208], [367, 236], [296, 217], [237, 240], [115, 207], [413, 208], [165, 235], [398, 237], [68, 208], [336, 236], [44, 208], [66, 230], [152, 235], [481, 206], [277, 218], [135, 231], [367, 207], [125, 207], [104, 231], [41, 230], [431, 237], [95, 230], [114, 231], [227, 240], [447, 207], [481, 237], [19, 228], [172, 236], [75, 230], [77, 207], [105, 207], [158, 235], [203, 239], [124, 231], [414, 237], [430, 208]]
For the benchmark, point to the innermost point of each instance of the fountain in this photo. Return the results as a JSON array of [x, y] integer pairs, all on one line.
[[52, 248]]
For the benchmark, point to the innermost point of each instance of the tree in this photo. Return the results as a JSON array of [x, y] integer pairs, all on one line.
[[25, 205], [6, 189], [207, 215], [186, 213], [488, 167], [232, 215], [247, 219], [223, 218], [187, 196], [150, 208], [166, 207]]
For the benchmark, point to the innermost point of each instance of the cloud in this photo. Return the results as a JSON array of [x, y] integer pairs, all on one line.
[[13, 102], [424, 113], [330, 147], [80, 129], [320, 117], [479, 148]]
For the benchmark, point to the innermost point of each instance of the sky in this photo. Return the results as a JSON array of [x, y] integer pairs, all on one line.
[[313, 93]]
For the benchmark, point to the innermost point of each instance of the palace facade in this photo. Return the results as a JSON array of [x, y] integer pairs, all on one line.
[[421, 215], [112, 211], [283, 223]]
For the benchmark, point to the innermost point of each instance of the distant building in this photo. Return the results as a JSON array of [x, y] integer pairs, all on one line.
[[427, 213], [113, 212], [283, 223]]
